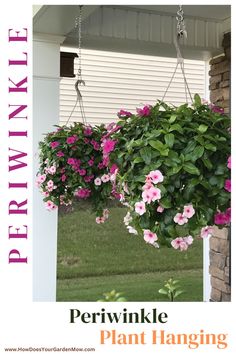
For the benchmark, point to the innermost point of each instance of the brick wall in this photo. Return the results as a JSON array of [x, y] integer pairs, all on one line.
[[220, 242], [220, 77]]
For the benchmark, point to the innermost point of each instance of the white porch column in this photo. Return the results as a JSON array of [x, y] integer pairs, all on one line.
[[206, 273], [46, 76]]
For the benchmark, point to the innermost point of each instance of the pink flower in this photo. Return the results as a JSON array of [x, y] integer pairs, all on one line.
[[88, 179], [114, 169], [50, 205], [97, 181], [71, 140], [140, 208], [52, 170], [206, 231], [45, 194], [147, 186], [188, 211], [105, 178], [63, 178], [41, 178], [109, 146], [83, 193], [54, 144], [82, 172], [60, 154], [179, 243], [149, 237], [88, 131], [71, 161], [95, 144], [188, 240], [228, 185], [155, 193], [216, 109], [100, 220], [145, 111], [180, 219], [156, 176], [86, 140], [50, 183], [229, 162], [105, 161], [124, 114], [160, 209], [222, 218], [100, 165], [147, 197], [91, 162]]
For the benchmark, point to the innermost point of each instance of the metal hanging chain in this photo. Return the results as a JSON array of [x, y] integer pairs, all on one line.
[[79, 81], [181, 32]]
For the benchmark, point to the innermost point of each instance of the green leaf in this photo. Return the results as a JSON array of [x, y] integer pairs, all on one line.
[[138, 160], [146, 155], [163, 291], [176, 127], [174, 170], [210, 147], [165, 203], [190, 168], [197, 152], [197, 100], [202, 128], [172, 118], [207, 163], [178, 292], [156, 144], [169, 139]]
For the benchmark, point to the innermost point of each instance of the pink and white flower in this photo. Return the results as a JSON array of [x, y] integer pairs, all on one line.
[[52, 170], [160, 209], [188, 211], [50, 184], [206, 231], [140, 208], [100, 220], [179, 243], [155, 193], [149, 236], [105, 178], [180, 219], [97, 181], [156, 176], [40, 179], [188, 239], [146, 196], [50, 205]]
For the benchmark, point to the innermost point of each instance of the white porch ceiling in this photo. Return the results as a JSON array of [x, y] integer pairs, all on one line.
[[138, 29]]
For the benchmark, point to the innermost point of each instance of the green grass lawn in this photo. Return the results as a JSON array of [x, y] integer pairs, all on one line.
[[93, 259]]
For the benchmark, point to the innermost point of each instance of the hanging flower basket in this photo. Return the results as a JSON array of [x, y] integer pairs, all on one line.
[[173, 171], [169, 166], [72, 165]]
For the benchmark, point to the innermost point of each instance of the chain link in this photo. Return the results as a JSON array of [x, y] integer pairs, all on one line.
[[181, 30]]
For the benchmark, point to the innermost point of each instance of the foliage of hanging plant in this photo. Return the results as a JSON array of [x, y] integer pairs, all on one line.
[[173, 171], [72, 164]]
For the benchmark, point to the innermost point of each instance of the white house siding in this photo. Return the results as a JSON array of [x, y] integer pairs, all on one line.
[[122, 80]]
